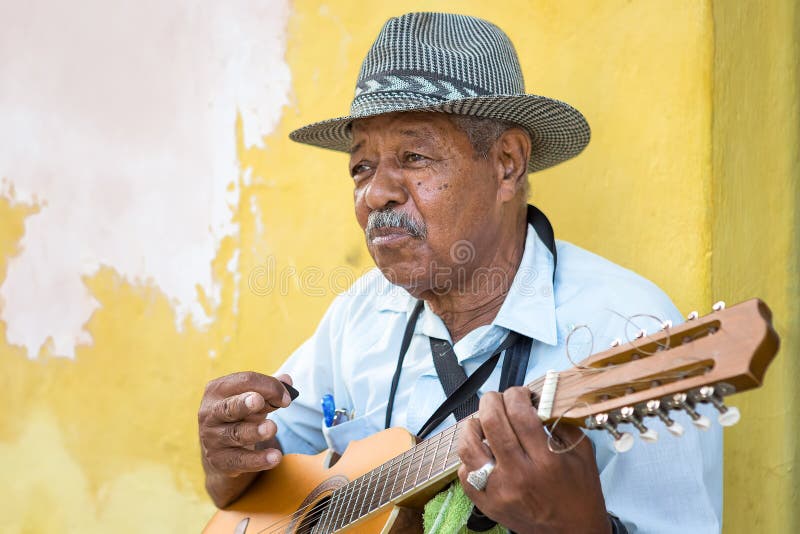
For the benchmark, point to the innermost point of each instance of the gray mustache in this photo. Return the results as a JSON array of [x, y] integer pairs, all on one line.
[[395, 219]]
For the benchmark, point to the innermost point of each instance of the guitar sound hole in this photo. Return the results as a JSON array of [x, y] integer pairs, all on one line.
[[312, 517]]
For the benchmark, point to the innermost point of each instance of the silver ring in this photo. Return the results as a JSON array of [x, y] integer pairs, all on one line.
[[480, 477]]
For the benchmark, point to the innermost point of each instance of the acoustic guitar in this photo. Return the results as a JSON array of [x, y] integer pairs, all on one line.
[[381, 484]]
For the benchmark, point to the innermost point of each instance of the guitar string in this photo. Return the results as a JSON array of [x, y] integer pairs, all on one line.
[[629, 341], [320, 508], [665, 328]]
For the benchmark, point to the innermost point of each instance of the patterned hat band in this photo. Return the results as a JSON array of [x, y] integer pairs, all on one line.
[[440, 62], [421, 83]]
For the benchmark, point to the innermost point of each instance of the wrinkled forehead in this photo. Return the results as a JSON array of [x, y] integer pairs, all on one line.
[[421, 125]]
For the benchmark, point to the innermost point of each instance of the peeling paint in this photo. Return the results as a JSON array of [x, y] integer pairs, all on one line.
[[130, 148]]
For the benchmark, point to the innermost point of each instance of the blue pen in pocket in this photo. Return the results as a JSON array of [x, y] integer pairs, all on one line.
[[328, 409]]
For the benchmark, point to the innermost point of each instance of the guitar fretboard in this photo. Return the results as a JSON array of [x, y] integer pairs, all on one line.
[[403, 474]]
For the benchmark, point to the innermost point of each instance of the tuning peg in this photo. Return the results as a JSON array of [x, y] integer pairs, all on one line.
[[616, 343], [676, 429], [628, 414], [692, 316], [653, 407], [666, 325], [728, 415], [702, 422], [718, 306], [623, 441], [640, 334], [682, 401]]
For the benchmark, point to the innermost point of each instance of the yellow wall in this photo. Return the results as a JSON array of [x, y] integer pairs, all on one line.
[[675, 182], [756, 244]]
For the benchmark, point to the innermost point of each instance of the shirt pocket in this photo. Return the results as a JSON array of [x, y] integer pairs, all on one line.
[[339, 436]]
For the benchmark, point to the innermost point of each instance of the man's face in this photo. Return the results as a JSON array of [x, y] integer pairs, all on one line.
[[427, 204]]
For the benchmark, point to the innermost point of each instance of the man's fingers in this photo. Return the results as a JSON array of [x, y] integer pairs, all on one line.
[[530, 429], [471, 449], [473, 452], [237, 407], [270, 388], [524, 421], [235, 461], [497, 429], [285, 378], [241, 434]]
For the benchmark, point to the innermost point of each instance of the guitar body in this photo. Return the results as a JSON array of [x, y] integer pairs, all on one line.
[[300, 480]]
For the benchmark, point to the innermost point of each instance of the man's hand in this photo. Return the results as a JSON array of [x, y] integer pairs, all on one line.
[[531, 488], [236, 440]]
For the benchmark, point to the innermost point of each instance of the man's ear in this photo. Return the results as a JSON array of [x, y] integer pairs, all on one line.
[[513, 149]]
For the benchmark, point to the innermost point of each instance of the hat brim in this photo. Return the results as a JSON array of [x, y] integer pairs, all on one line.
[[558, 131]]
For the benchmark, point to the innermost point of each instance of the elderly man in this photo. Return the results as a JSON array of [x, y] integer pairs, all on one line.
[[470, 281]]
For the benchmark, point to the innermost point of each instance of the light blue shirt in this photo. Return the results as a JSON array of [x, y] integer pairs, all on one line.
[[674, 485]]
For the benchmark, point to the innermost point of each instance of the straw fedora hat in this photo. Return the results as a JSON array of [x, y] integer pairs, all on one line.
[[441, 62]]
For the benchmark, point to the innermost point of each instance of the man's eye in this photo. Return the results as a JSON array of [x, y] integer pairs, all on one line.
[[358, 170], [412, 157]]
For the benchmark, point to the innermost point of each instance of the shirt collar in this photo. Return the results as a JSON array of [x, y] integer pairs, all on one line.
[[529, 306]]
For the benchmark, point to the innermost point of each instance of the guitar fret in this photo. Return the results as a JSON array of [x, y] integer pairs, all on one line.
[[330, 513], [435, 452], [396, 474], [367, 501], [354, 500], [452, 454], [412, 461], [320, 510], [383, 498], [407, 471], [363, 498], [347, 501], [336, 513], [446, 452], [373, 504], [419, 467], [456, 429]]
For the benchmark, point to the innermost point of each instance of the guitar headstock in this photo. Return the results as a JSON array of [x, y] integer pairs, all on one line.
[[701, 361]]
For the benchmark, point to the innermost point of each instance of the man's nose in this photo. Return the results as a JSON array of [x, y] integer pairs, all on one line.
[[386, 186]]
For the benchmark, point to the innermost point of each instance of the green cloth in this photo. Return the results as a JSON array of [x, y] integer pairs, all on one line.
[[447, 513]]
